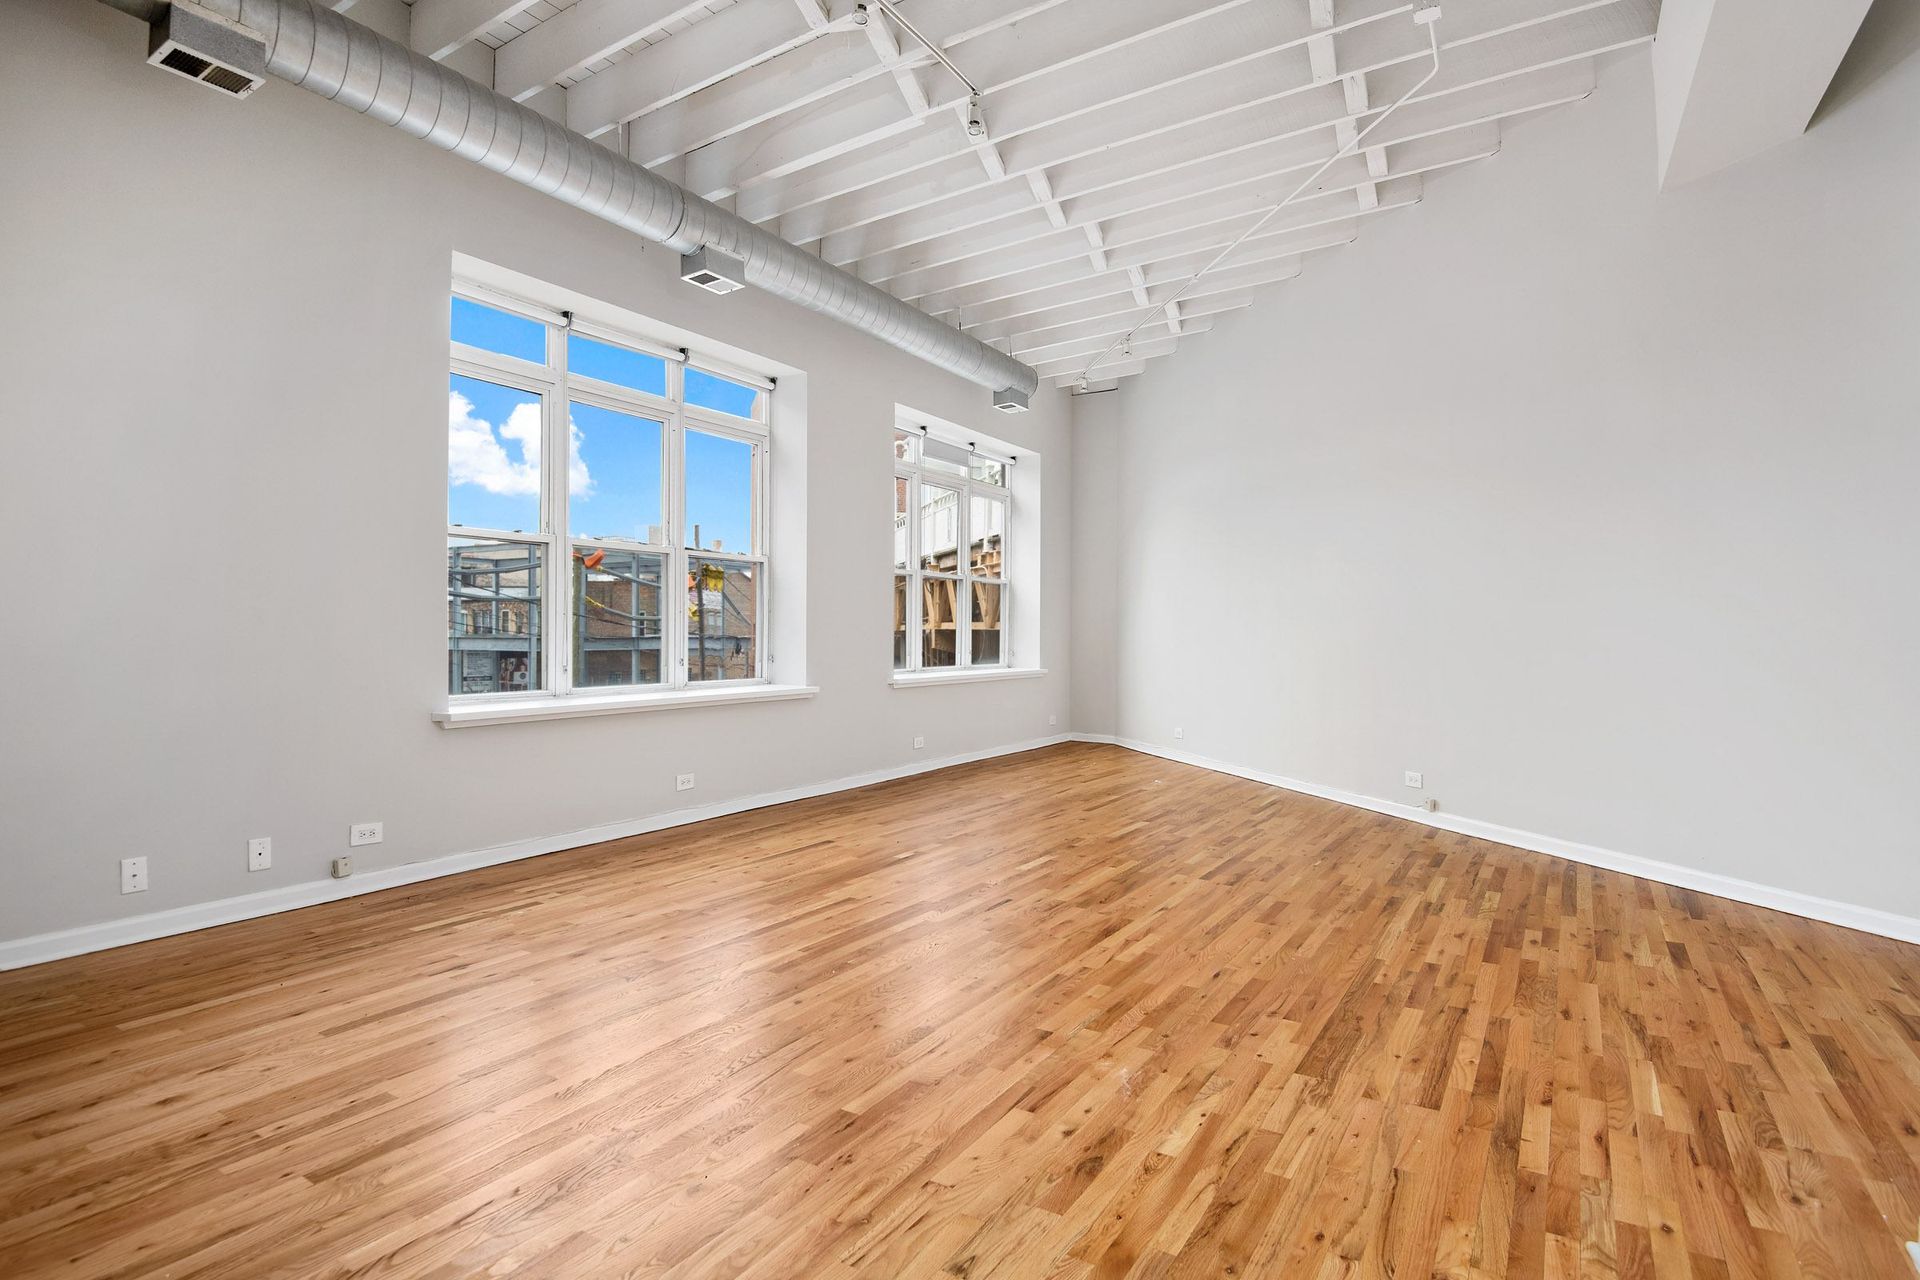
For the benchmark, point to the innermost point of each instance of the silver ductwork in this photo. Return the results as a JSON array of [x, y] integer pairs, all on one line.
[[325, 53]]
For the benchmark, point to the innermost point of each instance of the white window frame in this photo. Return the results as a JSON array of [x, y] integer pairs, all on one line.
[[558, 389], [915, 473]]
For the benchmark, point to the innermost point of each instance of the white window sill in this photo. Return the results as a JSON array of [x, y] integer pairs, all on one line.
[[548, 707], [966, 675]]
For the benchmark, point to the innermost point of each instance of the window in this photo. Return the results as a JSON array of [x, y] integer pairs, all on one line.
[[569, 575], [949, 555]]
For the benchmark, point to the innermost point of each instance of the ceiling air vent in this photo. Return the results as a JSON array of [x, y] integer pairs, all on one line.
[[189, 41], [712, 270]]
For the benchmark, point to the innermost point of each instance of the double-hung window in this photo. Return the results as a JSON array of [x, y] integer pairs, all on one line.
[[606, 509], [950, 591]]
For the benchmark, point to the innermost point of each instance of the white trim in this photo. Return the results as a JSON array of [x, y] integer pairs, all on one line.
[[468, 713], [43, 947], [962, 675], [1866, 919]]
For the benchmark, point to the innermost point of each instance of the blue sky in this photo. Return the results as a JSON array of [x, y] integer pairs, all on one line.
[[614, 484]]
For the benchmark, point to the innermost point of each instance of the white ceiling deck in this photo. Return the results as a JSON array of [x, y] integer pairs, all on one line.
[[1126, 143]]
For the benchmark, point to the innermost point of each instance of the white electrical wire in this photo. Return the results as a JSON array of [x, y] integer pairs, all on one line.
[[1126, 339]]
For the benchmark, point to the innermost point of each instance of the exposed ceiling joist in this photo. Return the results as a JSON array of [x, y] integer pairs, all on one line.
[[441, 26], [1126, 143], [996, 215], [1238, 106], [579, 35], [741, 36]]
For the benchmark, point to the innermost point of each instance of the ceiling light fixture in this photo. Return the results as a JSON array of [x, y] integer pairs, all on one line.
[[976, 119]]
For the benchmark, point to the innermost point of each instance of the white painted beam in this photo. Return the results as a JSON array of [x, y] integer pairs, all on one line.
[[576, 36], [741, 36], [1112, 302], [441, 26], [1048, 79], [1733, 78], [1095, 340], [1265, 97], [969, 259], [1002, 215], [1308, 232], [1075, 364]]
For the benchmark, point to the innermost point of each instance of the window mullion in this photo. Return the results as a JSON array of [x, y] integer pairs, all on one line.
[[916, 606], [963, 603], [679, 565], [555, 444]]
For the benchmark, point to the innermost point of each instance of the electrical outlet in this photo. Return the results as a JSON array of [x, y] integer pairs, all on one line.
[[1052, 720], [1414, 780], [1430, 805], [683, 782], [342, 867], [365, 833], [133, 875], [918, 743], [259, 853], [1179, 733]]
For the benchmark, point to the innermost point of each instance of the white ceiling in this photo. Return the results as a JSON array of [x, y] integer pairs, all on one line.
[[1127, 140]]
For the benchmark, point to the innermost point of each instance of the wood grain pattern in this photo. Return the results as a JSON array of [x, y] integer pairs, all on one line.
[[1068, 1015]]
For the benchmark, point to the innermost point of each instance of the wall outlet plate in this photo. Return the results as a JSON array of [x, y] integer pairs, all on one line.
[[1052, 720], [1179, 733], [683, 782], [133, 875], [919, 743], [342, 867], [1414, 779], [259, 853], [365, 833]]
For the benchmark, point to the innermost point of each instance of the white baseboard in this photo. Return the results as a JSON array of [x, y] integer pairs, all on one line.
[[1866, 919], [43, 947]]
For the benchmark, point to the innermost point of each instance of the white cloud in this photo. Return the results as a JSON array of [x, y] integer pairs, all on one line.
[[476, 455]]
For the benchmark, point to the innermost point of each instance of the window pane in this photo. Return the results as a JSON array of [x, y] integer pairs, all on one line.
[[724, 395], [939, 529], [987, 471], [939, 624], [986, 537], [609, 363], [719, 493], [492, 329], [899, 622], [906, 446], [493, 616], [723, 612], [985, 635], [493, 456], [617, 601], [900, 539], [613, 477]]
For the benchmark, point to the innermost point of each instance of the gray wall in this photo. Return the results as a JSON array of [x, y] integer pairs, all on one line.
[[1597, 506], [224, 331]]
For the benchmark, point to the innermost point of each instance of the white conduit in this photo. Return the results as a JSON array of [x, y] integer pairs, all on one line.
[[1432, 24]]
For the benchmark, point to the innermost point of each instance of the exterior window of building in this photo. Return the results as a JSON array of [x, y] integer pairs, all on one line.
[[950, 592], [606, 509]]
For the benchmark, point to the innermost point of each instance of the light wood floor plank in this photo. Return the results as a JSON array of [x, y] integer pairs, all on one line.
[[1077, 1013]]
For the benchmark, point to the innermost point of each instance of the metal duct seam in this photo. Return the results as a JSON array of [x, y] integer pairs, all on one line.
[[325, 53]]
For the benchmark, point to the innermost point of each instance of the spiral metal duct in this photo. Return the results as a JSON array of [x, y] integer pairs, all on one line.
[[325, 53]]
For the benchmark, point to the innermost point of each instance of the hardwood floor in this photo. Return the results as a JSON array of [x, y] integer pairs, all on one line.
[[1075, 1013]]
